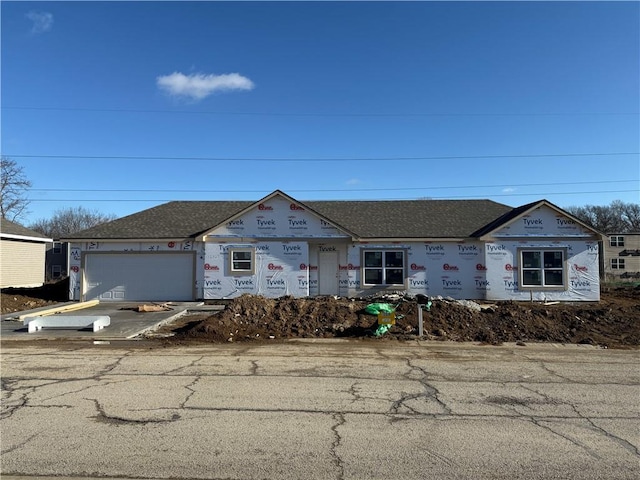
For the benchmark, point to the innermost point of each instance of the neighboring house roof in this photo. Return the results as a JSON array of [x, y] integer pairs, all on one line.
[[9, 229], [364, 219]]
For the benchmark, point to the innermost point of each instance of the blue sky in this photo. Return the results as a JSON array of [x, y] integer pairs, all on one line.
[[121, 106]]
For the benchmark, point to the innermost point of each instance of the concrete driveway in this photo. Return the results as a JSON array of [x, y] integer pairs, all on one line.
[[126, 322]]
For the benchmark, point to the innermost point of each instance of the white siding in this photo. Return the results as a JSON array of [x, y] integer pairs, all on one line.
[[21, 263]]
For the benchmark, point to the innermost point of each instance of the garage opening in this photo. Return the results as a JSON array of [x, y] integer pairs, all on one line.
[[139, 276]]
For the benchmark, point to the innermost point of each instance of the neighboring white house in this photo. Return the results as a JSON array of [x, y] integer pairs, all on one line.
[[276, 246], [22, 253]]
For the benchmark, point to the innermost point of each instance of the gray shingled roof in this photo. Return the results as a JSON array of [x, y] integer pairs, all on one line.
[[180, 219], [366, 219], [411, 218], [12, 228]]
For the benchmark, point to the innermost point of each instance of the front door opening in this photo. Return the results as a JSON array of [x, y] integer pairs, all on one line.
[[328, 273]]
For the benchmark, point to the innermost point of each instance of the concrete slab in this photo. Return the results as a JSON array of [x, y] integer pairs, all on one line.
[[126, 321]]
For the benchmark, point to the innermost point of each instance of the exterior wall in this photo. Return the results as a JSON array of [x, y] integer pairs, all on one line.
[[460, 270], [287, 240], [615, 255], [449, 269], [21, 263], [281, 268], [581, 270], [543, 228], [277, 218], [55, 262], [77, 249]]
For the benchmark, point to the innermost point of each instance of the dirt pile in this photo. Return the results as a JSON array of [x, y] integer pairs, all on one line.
[[20, 299], [612, 322]]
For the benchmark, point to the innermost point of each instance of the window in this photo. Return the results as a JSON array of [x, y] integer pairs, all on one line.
[[542, 269], [383, 267], [242, 261], [616, 241], [617, 263], [56, 271], [57, 247]]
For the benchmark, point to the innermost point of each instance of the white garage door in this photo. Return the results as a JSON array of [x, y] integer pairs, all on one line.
[[139, 276]]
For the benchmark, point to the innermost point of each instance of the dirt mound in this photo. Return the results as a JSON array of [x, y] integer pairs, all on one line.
[[612, 322], [19, 299]]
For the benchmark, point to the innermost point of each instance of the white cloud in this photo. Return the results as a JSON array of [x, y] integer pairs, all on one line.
[[508, 190], [353, 181], [198, 86], [42, 21]]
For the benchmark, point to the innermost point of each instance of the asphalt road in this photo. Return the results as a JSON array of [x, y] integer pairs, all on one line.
[[320, 410]]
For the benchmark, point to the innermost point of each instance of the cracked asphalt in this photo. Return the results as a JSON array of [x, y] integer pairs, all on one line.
[[319, 410]]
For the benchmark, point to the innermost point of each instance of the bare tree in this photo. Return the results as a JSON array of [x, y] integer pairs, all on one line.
[[68, 221], [13, 187], [619, 217], [631, 215]]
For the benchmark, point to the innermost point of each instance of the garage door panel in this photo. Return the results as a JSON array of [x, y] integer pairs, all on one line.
[[139, 277]]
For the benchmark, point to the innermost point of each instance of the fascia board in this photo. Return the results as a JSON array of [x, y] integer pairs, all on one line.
[[414, 240], [128, 240], [26, 238]]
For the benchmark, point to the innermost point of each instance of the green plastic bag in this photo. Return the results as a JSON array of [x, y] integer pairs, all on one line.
[[381, 330], [376, 308]]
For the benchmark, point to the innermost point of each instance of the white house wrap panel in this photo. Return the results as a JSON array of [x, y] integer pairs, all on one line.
[[278, 218], [580, 267], [543, 222], [543, 230], [451, 269], [280, 269]]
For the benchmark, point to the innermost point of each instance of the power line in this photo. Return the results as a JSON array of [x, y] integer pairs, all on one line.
[[127, 190], [450, 197], [299, 160], [319, 114]]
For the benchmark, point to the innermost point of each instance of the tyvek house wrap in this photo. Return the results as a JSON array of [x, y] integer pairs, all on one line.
[[543, 228], [583, 281], [280, 269], [449, 269], [277, 218]]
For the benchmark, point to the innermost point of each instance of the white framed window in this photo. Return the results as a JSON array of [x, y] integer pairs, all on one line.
[[383, 267], [616, 241], [617, 263], [242, 261], [56, 271], [542, 269], [57, 247]]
